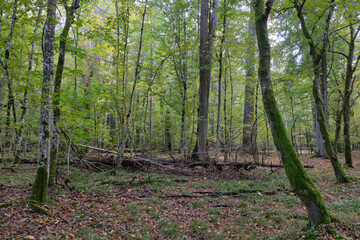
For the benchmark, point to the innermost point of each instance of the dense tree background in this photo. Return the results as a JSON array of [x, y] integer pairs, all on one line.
[[102, 48]]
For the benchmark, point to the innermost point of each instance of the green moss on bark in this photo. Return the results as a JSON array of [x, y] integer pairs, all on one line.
[[17, 159], [53, 165], [39, 191], [303, 186]]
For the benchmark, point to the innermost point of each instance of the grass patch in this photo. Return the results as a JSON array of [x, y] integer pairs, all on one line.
[[196, 203], [199, 227], [287, 200], [170, 229]]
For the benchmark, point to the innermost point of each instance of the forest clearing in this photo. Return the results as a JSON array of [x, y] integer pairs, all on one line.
[[164, 204], [179, 119]]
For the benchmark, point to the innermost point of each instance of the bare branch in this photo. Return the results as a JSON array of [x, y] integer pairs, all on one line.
[[343, 54]]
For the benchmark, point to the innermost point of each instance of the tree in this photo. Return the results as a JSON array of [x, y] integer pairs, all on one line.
[[40, 186], [348, 84], [137, 72], [298, 178], [250, 84], [5, 66], [19, 132], [316, 57], [208, 22], [218, 135], [70, 11]]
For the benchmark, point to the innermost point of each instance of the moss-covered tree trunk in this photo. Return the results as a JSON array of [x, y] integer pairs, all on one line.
[[347, 94], [316, 59], [39, 191], [57, 87], [298, 178]]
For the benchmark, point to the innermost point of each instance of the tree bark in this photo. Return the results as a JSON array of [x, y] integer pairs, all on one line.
[[338, 115], [218, 129], [20, 131], [76, 37], [168, 145], [298, 178], [207, 34], [137, 72], [5, 76], [248, 119], [316, 58], [320, 145], [1, 15], [181, 70], [57, 87], [347, 94], [40, 186]]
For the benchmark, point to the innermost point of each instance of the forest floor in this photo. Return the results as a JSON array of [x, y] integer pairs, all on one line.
[[161, 204]]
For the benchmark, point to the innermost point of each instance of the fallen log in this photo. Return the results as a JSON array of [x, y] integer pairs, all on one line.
[[238, 165], [218, 194]]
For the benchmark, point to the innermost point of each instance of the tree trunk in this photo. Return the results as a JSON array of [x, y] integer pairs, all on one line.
[[1, 15], [320, 145], [76, 37], [7, 52], [20, 131], [347, 94], [248, 119], [10, 105], [218, 135], [57, 87], [207, 34], [338, 117], [298, 178], [137, 72], [320, 116], [231, 109], [168, 145], [39, 190]]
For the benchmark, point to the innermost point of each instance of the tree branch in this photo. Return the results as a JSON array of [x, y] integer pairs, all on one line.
[[343, 54]]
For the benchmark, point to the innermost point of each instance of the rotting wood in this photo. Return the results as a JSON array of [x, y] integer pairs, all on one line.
[[245, 165], [218, 194]]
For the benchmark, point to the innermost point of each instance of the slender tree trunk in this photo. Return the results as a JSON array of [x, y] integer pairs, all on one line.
[[5, 76], [76, 37], [126, 15], [320, 116], [40, 186], [207, 34], [338, 115], [57, 87], [20, 131], [347, 94], [226, 121], [137, 72], [298, 178], [10, 106], [1, 15], [168, 145], [320, 145], [220, 88], [250, 83], [231, 109], [183, 147], [183, 142], [254, 149]]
